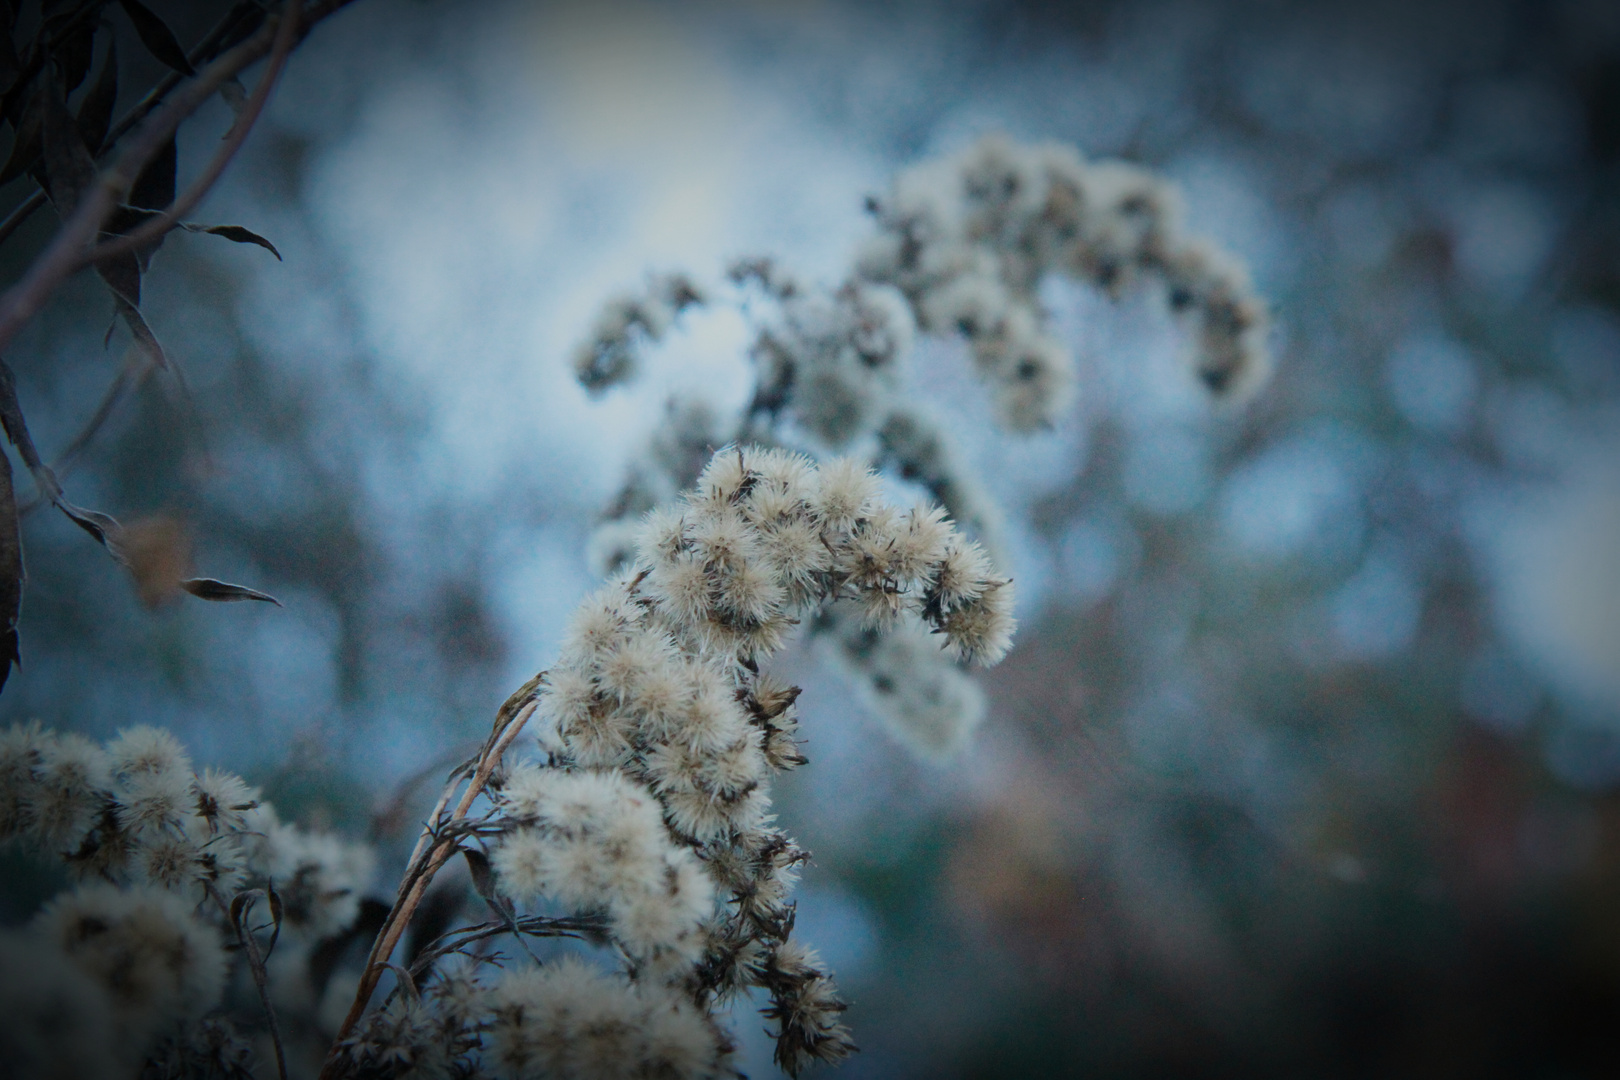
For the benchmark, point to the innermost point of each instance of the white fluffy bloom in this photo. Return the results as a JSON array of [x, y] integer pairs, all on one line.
[[55, 1020], [156, 961], [320, 876], [567, 1020]]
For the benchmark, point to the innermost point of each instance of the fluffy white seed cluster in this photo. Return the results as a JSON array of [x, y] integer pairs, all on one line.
[[571, 1020], [831, 360], [661, 734], [100, 977], [155, 842], [136, 813], [969, 238], [609, 355], [966, 241]]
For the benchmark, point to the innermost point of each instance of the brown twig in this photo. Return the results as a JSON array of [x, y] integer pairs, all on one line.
[[204, 51], [152, 228], [433, 848], [261, 977], [129, 375], [67, 252]]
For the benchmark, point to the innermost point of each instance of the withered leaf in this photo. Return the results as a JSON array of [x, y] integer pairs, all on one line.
[[104, 528], [96, 110], [234, 93], [145, 340], [157, 37], [68, 165], [237, 234], [73, 53], [11, 417], [224, 592]]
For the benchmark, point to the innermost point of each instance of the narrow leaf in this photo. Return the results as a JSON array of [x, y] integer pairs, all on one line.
[[11, 572], [122, 273], [25, 148], [95, 111], [224, 592], [68, 165], [242, 236], [74, 52], [483, 876], [406, 983], [241, 904], [145, 340], [11, 416], [157, 37], [104, 528], [277, 913]]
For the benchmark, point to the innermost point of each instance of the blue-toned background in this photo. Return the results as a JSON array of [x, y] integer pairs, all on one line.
[[1306, 760]]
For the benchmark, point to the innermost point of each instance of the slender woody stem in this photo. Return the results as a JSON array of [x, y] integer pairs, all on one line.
[[66, 253], [152, 228], [433, 849]]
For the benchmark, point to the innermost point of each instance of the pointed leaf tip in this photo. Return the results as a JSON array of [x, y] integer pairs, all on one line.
[[224, 592]]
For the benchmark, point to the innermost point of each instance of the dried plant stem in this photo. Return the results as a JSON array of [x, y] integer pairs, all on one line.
[[433, 848], [261, 977], [203, 52], [68, 252], [151, 229]]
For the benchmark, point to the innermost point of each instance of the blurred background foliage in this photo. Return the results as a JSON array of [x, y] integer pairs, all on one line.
[[1306, 759]]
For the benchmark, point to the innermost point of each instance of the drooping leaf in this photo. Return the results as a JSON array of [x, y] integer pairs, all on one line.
[[239, 235], [224, 592], [157, 37], [122, 273], [69, 169], [11, 417], [96, 110], [145, 340], [104, 528], [26, 147], [234, 93], [483, 877], [277, 913], [74, 51], [11, 572]]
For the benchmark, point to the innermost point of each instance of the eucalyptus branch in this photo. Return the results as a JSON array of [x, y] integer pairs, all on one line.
[[155, 227], [67, 252], [204, 51]]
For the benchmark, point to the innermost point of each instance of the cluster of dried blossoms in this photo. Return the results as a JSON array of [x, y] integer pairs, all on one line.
[[646, 819], [123, 970], [961, 247], [661, 734]]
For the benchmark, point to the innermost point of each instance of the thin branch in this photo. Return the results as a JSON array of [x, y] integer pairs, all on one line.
[[152, 228], [261, 977], [63, 464], [574, 926], [205, 50], [66, 252], [427, 860]]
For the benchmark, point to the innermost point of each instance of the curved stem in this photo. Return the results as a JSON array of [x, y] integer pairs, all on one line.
[[425, 862], [152, 228]]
